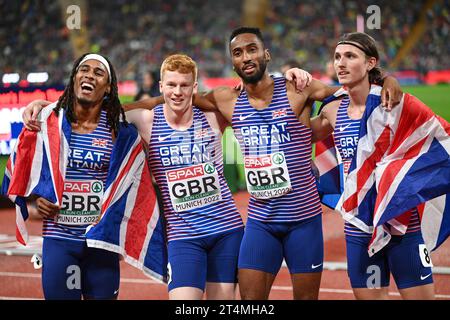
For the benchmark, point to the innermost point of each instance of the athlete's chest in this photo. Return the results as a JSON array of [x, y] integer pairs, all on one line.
[[89, 151]]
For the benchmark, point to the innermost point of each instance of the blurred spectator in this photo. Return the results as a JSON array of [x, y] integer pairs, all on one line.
[[149, 87], [330, 77], [34, 36], [289, 65]]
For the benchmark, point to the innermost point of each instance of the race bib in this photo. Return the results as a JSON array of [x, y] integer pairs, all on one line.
[[193, 187], [267, 176], [81, 202]]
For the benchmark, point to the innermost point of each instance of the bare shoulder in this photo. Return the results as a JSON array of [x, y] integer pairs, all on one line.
[[297, 99], [329, 111], [224, 98], [225, 94], [332, 106], [216, 120], [139, 116]]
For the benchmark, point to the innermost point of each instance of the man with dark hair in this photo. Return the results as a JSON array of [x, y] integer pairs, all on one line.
[[79, 134], [271, 120]]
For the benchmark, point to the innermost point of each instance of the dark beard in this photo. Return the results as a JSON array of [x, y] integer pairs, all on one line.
[[255, 78]]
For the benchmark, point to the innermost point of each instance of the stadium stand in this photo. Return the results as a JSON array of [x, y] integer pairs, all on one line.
[[138, 35]]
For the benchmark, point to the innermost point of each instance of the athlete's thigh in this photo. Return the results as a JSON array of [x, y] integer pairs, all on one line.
[[223, 257], [303, 246], [410, 261], [366, 272], [260, 249], [101, 274], [61, 270], [187, 265]]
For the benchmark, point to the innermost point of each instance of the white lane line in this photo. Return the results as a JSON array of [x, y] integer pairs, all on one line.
[[18, 298], [38, 275], [153, 282], [347, 291]]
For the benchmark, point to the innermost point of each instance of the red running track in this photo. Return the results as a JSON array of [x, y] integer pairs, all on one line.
[[18, 278]]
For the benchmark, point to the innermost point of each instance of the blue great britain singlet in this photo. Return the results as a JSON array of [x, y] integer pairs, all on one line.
[[346, 135], [277, 159], [188, 168], [87, 168]]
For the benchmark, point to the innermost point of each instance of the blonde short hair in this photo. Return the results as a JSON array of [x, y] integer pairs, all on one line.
[[181, 63]]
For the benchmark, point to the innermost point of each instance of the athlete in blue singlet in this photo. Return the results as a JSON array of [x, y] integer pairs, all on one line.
[[280, 230], [267, 243], [356, 57], [71, 270], [204, 228]]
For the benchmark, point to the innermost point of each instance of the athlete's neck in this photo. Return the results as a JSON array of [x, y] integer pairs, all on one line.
[[179, 119], [87, 114], [261, 91], [358, 93]]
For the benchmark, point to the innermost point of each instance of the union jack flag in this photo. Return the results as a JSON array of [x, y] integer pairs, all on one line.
[[402, 161], [130, 223], [99, 142], [200, 133], [37, 166], [279, 113]]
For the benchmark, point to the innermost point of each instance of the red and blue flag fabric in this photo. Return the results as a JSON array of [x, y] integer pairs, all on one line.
[[37, 166], [130, 223], [402, 162]]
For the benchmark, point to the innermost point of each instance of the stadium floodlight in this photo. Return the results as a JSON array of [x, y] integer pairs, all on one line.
[[37, 77], [10, 78]]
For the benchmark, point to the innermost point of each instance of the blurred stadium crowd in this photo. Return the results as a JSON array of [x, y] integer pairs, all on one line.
[[137, 35]]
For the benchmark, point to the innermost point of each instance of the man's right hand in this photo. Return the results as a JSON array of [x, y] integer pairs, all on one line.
[[46, 209], [299, 77], [31, 112]]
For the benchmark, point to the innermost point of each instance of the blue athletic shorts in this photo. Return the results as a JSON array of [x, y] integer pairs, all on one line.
[[71, 270], [406, 257], [193, 262], [265, 244]]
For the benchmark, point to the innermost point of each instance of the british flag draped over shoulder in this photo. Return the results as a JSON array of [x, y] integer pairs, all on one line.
[[130, 222], [402, 161]]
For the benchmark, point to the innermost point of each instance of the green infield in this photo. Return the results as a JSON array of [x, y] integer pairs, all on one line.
[[436, 97]]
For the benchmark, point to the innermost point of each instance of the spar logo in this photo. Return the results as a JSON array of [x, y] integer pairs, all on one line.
[[257, 162], [209, 168], [97, 187], [278, 158]]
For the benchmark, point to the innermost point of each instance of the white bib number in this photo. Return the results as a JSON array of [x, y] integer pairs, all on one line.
[[425, 256], [267, 176], [193, 187], [81, 202]]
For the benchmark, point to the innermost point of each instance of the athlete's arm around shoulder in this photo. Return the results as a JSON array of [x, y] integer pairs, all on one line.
[[148, 104], [319, 91], [143, 120], [323, 124], [301, 101], [221, 99], [217, 121]]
